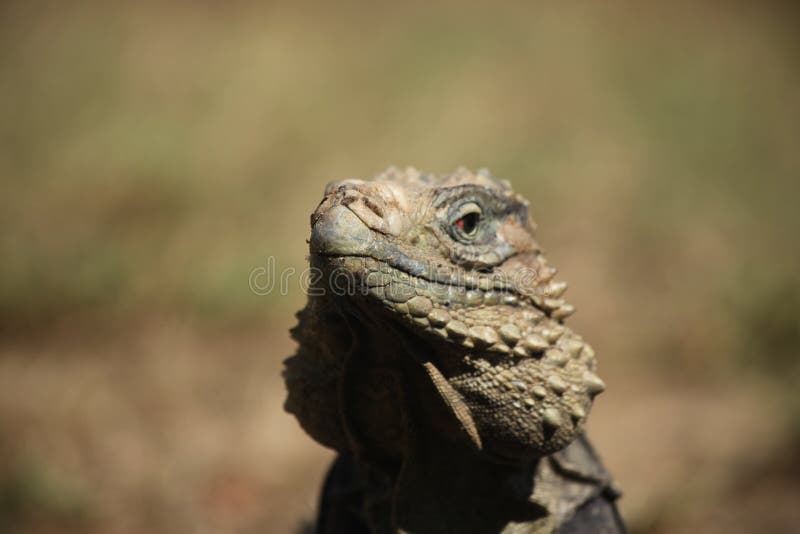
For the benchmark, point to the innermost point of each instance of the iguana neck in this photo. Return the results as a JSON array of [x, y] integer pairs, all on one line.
[[457, 485], [437, 471]]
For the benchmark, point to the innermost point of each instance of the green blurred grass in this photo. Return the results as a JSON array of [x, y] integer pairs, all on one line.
[[152, 155]]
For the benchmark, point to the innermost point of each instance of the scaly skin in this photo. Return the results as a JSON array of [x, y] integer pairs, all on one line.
[[433, 352]]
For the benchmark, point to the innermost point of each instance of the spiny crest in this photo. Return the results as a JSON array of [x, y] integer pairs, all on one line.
[[411, 177]]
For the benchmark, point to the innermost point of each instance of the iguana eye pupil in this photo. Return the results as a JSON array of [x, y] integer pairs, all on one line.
[[468, 224]]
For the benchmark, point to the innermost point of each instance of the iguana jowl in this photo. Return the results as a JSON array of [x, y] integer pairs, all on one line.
[[433, 356]]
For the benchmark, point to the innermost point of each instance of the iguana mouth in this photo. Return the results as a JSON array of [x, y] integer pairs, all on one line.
[[501, 321], [402, 277]]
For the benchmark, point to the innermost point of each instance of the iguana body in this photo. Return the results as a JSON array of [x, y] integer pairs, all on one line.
[[433, 356]]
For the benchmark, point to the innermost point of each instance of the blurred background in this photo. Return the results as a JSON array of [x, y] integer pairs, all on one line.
[[153, 155]]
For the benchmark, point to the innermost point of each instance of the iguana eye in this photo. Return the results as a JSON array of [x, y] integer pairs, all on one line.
[[467, 219]]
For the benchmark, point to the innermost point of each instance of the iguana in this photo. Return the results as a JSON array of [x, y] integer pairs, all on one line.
[[433, 357]]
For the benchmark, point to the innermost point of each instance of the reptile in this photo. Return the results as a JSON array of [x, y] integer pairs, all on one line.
[[433, 357]]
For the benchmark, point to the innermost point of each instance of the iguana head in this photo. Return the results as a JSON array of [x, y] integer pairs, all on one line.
[[451, 264]]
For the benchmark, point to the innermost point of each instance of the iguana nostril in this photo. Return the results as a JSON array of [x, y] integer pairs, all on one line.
[[332, 187], [372, 206]]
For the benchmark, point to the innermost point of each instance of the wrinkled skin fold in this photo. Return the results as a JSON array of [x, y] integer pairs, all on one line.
[[433, 355]]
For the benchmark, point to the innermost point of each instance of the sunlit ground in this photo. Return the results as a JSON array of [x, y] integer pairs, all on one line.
[[152, 156]]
